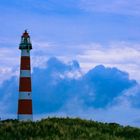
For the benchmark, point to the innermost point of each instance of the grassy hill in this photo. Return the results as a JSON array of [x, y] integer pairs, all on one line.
[[66, 129]]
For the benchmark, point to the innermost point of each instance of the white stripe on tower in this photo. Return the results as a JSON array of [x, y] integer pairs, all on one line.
[[25, 95], [25, 73], [25, 53]]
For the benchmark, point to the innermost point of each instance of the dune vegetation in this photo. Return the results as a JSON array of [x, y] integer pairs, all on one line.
[[66, 129]]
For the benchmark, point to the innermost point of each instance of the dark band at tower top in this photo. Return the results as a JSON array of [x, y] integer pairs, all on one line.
[[25, 41]]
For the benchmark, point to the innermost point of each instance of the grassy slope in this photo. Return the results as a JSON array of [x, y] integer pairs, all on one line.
[[65, 129]]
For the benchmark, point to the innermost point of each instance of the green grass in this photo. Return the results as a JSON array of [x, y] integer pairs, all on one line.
[[66, 129]]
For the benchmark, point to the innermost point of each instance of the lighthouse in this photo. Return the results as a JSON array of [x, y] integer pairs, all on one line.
[[25, 88]]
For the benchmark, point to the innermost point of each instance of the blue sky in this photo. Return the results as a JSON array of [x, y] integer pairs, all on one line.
[[97, 35]]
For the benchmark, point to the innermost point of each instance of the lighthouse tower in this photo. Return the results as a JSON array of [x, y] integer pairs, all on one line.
[[25, 95]]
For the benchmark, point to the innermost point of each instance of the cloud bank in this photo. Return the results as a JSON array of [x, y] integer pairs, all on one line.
[[61, 89]]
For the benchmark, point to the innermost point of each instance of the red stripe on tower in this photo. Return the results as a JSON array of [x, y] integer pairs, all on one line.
[[24, 107], [25, 63], [25, 96], [25, 84]]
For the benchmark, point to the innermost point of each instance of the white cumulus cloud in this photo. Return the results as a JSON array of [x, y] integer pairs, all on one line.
[[123, 55]]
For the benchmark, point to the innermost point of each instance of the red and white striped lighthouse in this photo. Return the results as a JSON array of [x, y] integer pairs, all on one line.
[[25, 89]]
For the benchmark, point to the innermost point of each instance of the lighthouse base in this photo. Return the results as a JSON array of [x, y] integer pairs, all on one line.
[[25, 117]]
